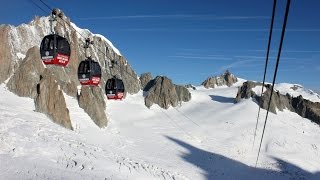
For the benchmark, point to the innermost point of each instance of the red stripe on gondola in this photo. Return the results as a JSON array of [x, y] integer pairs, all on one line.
[[60, 60]]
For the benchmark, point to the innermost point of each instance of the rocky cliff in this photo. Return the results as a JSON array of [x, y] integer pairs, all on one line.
[[145, 78], [22, 67], [300, 105], [92, 100], [163, 92], [226, 78], [50, 100]]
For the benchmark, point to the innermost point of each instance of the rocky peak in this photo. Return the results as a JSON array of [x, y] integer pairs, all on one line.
[[190, 86], [92, 100], [50, 100], [145, 78], [299, 105], [163, 92], [226, 78]]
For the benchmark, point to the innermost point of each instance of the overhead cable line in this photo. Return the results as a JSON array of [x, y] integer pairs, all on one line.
[[275, 73], [187, 117], [265, 67]]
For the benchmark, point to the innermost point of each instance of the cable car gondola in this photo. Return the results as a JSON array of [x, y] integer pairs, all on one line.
[[55, 50], [115, 88], [89, 72]]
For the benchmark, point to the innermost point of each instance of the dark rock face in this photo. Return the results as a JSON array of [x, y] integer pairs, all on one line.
[[50, 100], [25, 79], [183, 93], [190, 86], [164, 93], [299, 105], [307, 109], [145, 78], [225, 79], [229, 78], [245, 91], [91, 99], [5, 56]]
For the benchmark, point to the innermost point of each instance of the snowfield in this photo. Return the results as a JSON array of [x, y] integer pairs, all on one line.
[[209, 137]]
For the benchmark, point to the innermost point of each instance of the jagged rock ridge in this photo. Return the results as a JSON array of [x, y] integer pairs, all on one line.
[[299, 105], [50, 100], [163, 92], [227, 79], [145, 78]]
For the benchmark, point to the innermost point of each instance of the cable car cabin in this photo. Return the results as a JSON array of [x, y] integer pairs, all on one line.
[[115, 89], [55, 50], [89, 72]]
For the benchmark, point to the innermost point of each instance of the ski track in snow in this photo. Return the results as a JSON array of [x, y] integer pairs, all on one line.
[[206, 138]]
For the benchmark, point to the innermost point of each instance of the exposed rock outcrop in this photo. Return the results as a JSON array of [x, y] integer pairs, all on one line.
[[190, 86], [25, 79], [145, 78], [6, 66], [91, 99], [50, 100], [164, 93], [227, 79], [245, 91], [183, 93], [299, 105]]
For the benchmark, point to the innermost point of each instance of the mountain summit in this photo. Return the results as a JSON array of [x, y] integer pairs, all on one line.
[[225, 79], [23, 71]]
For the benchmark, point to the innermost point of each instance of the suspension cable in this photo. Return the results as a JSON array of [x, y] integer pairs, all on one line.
[[187, 117], [265, 68], [275, 72], [38, 6]]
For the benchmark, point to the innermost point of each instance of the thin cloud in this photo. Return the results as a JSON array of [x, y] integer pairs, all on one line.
[[200, 57], [303, 30], [287, 51], [215, 30], [194, 30], [176, 16], [235, 64], [264, 57], [279, 70]]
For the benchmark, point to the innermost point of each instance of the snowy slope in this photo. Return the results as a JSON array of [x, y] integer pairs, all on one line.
[[296, 90], [206, 138], [293, 90]]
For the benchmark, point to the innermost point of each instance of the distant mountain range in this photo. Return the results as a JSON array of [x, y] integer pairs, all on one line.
[[25, 75]]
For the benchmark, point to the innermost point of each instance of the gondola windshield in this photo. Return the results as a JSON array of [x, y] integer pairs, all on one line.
[[55, 49], [89, 72]]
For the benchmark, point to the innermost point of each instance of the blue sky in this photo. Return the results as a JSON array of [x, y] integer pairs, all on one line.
[[191, 40]]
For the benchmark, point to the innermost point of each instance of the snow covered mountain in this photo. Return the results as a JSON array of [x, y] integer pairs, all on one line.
[[24, 73], [208, 137]]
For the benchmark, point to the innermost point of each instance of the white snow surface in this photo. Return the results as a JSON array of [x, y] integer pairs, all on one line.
[[86, 32], [209, 137], [296, 90], [20, 55], [258, 89], [293, 90]]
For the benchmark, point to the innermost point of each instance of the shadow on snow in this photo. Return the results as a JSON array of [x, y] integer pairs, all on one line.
[[222, 99], [216, 166]]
